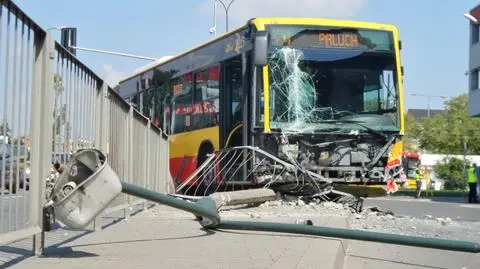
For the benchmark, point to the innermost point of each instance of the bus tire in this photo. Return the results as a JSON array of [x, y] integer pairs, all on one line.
[[206, 184]]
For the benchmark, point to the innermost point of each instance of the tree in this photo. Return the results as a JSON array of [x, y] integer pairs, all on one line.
[[451, 170], [413, 129], [446, 132]]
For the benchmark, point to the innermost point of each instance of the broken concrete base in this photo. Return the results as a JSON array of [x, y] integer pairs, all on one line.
[[251, 196]]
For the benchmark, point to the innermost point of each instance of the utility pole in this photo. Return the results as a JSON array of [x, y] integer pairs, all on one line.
[[68, 40], [115, 53], [214, 19]]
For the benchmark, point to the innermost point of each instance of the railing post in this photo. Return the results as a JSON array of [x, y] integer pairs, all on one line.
[[41, 131], [101, 123], [147, 164], [164, 150], [129, 157]]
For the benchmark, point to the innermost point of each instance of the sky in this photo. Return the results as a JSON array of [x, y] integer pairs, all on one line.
[[434, 33]]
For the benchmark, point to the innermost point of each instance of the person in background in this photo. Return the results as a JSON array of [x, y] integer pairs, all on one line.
[[59, 167], [472, 183], [418, 177], [478, 183]]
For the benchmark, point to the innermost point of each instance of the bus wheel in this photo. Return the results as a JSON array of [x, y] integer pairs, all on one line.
[[207, 182]]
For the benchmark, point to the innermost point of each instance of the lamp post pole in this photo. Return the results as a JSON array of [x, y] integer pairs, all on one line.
[[428, 100], [226, 11]]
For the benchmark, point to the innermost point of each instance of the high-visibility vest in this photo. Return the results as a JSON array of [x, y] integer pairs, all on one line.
[[471, 175], [418, 173]]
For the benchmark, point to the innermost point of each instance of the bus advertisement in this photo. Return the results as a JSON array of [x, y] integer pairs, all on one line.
[[330, 91]]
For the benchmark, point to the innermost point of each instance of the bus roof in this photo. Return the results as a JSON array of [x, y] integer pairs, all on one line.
[[260, 23]]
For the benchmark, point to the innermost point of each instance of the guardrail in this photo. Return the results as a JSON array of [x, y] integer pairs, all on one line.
[[52, 105]]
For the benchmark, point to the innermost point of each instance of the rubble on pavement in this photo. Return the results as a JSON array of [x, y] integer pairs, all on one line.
[[371, 218]]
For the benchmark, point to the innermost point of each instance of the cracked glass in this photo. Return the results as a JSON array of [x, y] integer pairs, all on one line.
[[319, 76]]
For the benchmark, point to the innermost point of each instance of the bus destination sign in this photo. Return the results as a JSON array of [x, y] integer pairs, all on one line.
[[338, 40], [322, 37]]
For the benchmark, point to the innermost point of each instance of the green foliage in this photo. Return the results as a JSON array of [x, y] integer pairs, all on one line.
[[451, 170], [445, 133], [413, 129]]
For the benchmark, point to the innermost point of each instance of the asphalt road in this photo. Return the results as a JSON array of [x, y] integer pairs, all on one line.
[[454, 208], [14, 210]]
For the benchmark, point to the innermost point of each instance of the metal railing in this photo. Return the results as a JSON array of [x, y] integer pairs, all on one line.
[[52, 105]]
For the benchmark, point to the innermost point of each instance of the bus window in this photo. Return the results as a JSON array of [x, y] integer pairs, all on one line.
[[206, 102], [237, 94], [182, 104], [167, 115]]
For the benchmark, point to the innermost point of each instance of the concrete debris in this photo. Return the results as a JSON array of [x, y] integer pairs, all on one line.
[[251, 196], [305, 222], [444, 221]]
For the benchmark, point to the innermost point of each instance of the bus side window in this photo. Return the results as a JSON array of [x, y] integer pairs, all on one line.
[[167, 114], [198, 115], [206, 102], [182, 104], [237, 95]]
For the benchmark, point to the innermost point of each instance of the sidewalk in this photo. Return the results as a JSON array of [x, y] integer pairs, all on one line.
[[163, 237], [168, 238]]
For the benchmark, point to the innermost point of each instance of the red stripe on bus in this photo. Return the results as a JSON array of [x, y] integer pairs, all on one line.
[[188, 168]]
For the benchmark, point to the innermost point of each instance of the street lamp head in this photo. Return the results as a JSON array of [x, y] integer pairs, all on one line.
[[470, 18]]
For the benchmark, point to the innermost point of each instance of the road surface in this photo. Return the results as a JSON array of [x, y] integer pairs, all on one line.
[[454, 208], [14, 210]]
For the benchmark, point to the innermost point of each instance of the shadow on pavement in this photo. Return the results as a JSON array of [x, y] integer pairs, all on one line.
[[66, 252], [207, 233], [25, 254], [270, 234], [11, 255]]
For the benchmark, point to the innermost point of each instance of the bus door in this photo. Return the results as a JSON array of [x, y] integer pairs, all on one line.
[[232, 95]]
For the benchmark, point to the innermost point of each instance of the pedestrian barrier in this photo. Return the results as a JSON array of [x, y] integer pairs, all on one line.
[[53, 105]]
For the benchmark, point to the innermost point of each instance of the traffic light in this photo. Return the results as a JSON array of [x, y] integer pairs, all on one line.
[[69, 39]]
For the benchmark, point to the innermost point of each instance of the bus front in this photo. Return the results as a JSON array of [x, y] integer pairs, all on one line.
[[331, 97]]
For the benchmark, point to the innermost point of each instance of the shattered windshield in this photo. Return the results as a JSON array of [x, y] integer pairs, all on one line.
[[312, 86]]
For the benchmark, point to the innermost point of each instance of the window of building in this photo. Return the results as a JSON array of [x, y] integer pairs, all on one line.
[[474, 79], [475, 33]]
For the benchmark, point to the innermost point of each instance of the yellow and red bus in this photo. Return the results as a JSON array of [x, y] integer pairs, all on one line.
[[332, 87]]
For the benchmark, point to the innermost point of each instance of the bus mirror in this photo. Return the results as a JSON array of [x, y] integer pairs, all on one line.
[[260, 52]]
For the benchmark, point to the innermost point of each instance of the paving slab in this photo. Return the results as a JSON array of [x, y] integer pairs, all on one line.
[[368, 255], [168, 238]]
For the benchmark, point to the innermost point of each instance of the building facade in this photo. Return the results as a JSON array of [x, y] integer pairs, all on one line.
[[474, 62]]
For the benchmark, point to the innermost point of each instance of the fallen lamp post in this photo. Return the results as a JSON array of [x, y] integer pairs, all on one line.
[[77, 198]]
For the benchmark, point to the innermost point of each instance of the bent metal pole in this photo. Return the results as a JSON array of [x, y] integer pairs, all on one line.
[[206, 208]]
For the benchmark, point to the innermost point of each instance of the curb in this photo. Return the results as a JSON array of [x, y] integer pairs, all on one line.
[[443, 193]]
